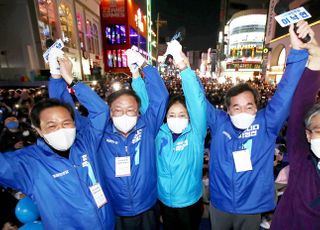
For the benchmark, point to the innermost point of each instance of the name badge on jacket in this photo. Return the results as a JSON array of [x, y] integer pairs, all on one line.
[[123, 167], [242, 160], [98, 195]]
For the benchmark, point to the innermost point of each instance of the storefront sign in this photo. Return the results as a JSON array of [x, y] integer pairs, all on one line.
[[113, 9]]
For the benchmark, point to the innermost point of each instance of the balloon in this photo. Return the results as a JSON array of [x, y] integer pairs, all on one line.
[[26, 211], [36, 225]]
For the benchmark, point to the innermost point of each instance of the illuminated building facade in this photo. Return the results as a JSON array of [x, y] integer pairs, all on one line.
[[28, 25], [245, 38], [278, 40], [77, 23], [123, 23]]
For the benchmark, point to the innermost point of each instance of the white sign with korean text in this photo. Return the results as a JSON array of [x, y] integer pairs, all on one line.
[[292, 16], [58, 44]]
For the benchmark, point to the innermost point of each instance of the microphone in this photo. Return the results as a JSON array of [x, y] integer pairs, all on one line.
[[179, 36], [285, 17], [49, 42]]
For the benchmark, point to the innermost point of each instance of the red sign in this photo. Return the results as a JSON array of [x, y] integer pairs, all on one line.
[[113, 9]]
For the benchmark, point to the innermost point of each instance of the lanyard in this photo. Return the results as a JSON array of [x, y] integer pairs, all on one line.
[[86, 163], [91, 174]]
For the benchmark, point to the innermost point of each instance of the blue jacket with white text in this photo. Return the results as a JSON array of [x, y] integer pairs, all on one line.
[[137, 192], [252, 191], [180, 162], [59, 186]]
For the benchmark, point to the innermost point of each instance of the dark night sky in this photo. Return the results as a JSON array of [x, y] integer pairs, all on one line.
[[199, 17]]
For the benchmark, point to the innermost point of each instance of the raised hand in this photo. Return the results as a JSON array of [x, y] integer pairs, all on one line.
[[53, 62], [175, 49], [66, 68], [135, 60], [314, 52], [302, 31]]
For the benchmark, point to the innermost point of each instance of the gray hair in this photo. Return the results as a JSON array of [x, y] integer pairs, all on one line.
[[315, 110]]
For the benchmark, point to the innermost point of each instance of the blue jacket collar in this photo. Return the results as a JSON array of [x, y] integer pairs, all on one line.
[[44, 146]]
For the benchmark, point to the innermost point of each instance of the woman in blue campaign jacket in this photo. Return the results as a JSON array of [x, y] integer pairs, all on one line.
[[241, 158], [180, 149], [57, 177]]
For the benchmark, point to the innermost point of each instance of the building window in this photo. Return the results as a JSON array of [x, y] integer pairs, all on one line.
[[47, 21], [117, 58], [116, 34], [137, 40], [66, 20], [89, 36], [95, 37], [80, 29]]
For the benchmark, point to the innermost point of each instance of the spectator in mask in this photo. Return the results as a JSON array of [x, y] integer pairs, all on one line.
[[126, 156], [14, 136], [299, 207], [59, 172], [242, 150], [180, 150]]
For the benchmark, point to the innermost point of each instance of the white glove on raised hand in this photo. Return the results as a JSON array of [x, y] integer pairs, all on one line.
[[175, 49], [139, 58], [132, 63], [135, 60], [53, 61]]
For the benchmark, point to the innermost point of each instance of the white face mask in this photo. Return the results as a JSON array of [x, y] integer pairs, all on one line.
[[315, 146], [242, 120], [124, 123], [177, 125], [61, 139]]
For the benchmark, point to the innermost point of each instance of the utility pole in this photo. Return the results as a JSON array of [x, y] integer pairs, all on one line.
[[159, 23]]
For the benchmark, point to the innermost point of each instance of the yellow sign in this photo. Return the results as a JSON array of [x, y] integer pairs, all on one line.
[[265, 50]]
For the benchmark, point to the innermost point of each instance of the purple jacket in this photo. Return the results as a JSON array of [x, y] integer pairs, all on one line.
[[296, 210]]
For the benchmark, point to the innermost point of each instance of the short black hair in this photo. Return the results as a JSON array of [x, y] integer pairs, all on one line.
[[238, 89], [112, 97], [45, 104], [176, 98]]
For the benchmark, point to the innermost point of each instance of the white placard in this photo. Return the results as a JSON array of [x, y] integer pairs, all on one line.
[[58, 44], [292, 16]]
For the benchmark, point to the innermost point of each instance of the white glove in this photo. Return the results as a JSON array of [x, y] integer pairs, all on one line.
[[139, 58], [135, 60], [132, 63], [175, 49], [53, 61]]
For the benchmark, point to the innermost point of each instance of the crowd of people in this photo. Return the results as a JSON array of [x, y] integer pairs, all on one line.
[[124, 151]]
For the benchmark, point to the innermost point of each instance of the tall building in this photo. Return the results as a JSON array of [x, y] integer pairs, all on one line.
[[229, 7], [26, 25], [244, 43], [277, 38], [229, 11]]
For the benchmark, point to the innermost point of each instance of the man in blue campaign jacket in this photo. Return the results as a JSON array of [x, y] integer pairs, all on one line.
[[133, 186], [242, 148], [59, 172], [126, 156]]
